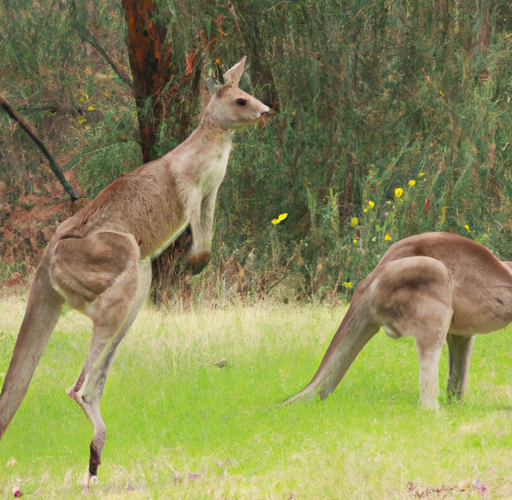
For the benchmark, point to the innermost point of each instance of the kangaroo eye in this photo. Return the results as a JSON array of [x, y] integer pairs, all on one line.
[[241, 102]]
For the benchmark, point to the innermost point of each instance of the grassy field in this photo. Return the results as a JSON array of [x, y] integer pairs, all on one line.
[[179, 427]]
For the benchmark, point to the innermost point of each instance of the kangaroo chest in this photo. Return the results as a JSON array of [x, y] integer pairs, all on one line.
[[204, 174], [213, 168]]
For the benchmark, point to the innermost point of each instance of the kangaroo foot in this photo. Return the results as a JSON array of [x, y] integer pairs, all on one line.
[[87, 480]]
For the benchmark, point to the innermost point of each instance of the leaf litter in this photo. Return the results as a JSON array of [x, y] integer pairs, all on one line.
[[416, 491]]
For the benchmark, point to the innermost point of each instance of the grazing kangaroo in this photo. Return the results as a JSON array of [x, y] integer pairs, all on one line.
[[434, 287], [98, 261]]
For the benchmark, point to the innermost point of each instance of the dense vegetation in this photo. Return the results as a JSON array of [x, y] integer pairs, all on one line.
[[394, 119]]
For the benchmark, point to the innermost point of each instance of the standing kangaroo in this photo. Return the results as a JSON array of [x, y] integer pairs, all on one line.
[[99, 260], [435, 287]]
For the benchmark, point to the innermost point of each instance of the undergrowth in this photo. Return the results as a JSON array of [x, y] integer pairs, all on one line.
[[371, 97]]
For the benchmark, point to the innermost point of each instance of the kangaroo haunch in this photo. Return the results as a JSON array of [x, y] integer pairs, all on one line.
[[434, 287], [99, 260]]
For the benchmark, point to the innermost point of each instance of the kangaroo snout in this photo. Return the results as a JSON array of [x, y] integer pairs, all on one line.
[[265, 114]]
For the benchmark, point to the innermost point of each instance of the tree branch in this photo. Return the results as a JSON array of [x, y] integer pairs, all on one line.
[[26, 127], [88, 37]]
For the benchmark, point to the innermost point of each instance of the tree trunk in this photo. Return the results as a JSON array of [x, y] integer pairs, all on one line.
[[483, 42], [156, 87], [150, 67]]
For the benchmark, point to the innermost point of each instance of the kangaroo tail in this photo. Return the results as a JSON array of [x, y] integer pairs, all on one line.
[[356, 329], [43, 310]]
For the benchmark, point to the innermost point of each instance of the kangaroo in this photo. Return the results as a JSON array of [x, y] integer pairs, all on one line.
[[99, 260], [435, 287]]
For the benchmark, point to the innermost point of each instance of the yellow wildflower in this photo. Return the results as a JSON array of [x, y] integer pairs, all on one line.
[[387, 237], [467, 228], [365, 210], [91, 108], [371, 203], [347, 284], [279, 219], [399, 192], [412, 182], [354, 222], [421, 174]]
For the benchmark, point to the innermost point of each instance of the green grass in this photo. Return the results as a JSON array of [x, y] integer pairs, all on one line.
[[171, 413]]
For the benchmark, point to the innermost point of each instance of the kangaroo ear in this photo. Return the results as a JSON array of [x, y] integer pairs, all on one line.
[[235, 73], [213, 85]]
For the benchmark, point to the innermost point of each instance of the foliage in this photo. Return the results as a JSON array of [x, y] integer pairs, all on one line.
[[371, 96], [63, 87]]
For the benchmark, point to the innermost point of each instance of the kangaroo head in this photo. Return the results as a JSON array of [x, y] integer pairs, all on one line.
[[231, 107]]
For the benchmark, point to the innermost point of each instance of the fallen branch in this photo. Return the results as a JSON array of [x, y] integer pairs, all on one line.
[[282, 275], [50, 108], [26, 127]]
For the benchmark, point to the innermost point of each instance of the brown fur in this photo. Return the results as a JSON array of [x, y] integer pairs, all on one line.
[[152, 194]]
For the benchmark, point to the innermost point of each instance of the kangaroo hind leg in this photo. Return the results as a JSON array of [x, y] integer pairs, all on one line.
[[110, 287], [416, 300], [110, 325], [459, 353]]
